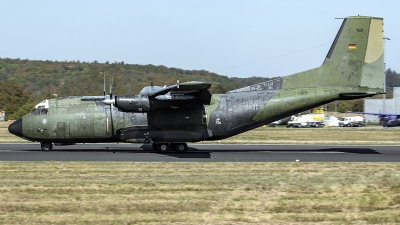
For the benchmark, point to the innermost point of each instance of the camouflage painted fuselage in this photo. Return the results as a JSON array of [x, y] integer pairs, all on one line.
[[353, 68], [73, 120]]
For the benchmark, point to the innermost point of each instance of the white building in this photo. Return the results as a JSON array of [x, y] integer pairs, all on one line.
[[2, 115], [381, 106]]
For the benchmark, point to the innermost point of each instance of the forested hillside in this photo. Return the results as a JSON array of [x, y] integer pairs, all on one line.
[[23, 83], [41, 79], [45, 78]]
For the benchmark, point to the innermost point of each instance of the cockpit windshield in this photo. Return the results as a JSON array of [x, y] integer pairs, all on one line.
[[42, 108]]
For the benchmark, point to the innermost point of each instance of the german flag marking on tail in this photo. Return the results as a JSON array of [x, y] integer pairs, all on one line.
[[352, 46]]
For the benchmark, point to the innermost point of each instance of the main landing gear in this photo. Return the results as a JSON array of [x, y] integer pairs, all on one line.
[[159, 147], [166, 147]]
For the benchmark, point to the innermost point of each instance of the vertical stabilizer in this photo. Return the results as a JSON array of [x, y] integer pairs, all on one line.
[[357, 52], [354, 61]]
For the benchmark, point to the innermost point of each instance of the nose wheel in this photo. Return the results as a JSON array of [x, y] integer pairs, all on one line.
[[46, 146], [165, 147]]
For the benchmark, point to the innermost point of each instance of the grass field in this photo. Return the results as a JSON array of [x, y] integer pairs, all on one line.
[[199, 193], [319, 136], [208, 193]]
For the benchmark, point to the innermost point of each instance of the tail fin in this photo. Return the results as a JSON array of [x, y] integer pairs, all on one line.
[[354, 61]]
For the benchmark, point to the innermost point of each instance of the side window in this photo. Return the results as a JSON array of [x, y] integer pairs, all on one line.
[[38, 109], [44, 111]]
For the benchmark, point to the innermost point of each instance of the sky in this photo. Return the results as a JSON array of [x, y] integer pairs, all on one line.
[[233, 38]]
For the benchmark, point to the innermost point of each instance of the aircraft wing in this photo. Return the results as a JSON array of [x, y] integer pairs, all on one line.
[[184, 91], [182, 88]]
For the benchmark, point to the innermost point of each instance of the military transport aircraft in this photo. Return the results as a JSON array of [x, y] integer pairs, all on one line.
[[169, 117]]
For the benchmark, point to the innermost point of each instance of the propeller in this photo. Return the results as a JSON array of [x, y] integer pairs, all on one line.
[[112, 106], [110, 101], [106, 100]]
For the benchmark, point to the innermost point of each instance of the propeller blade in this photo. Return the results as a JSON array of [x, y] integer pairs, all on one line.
[[111, 102], [112, 120], [111, 85], [104, 84]]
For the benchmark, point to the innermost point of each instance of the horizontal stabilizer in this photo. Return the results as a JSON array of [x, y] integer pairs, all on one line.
[[357, 95], [378, 114]]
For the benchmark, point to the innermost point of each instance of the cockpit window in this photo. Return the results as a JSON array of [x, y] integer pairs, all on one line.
[[41, 109]]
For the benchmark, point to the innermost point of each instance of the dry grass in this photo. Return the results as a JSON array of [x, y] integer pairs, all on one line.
[[319, 136], [199, 193]]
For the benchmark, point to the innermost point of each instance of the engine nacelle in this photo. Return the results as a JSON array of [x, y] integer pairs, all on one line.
[[132, 103]]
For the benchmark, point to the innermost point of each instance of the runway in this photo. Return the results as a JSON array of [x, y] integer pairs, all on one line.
[[201, 153]]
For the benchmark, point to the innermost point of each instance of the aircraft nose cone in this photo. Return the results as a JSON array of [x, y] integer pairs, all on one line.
[[16, 128]]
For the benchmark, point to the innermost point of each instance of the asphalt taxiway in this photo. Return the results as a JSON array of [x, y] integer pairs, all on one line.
[[201, 153]]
